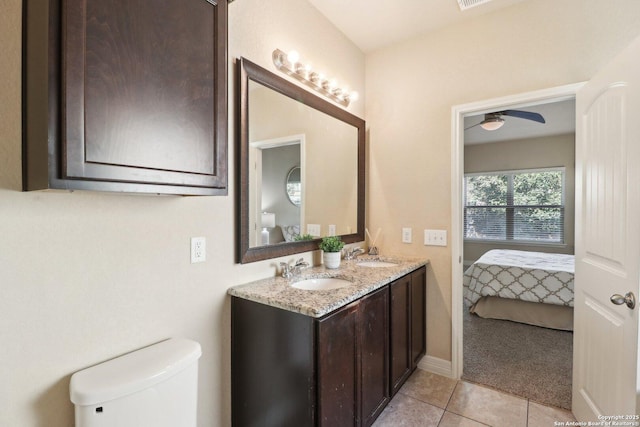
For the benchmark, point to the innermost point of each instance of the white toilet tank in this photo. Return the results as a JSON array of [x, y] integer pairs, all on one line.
[[156, 386]]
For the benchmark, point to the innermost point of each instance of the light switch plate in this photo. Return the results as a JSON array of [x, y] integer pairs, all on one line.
[[435, 237], [313, 229], [406, 235]]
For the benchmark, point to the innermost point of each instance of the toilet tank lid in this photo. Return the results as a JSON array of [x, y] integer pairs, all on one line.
[[133, 371]]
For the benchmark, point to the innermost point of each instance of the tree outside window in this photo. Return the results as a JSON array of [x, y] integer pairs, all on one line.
[[525, 206]]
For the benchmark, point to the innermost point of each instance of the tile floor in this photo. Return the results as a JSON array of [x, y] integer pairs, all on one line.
[[428, 399]]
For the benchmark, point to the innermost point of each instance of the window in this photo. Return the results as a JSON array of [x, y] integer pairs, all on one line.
[[515, 206]]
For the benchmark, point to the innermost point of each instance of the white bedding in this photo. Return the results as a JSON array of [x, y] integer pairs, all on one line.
[[523, 275]]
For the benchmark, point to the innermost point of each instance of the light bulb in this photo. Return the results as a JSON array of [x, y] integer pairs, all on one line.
[[293, 56], [353, 96], [308, 71], [493, 123]]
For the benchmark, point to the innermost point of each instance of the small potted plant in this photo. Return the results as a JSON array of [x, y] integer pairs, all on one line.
[[331, 251], [302, 237]]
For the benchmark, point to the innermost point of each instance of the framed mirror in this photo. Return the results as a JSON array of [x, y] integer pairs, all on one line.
[[292, 137]]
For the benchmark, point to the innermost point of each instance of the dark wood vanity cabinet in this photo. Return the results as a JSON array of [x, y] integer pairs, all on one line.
[[124, 95], [289, 369], [408, 326], [373, 315], [418, 316], [293, 370], [400, 332], [337, 365], [352, 349]]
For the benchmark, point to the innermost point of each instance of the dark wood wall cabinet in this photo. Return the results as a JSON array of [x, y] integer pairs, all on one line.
[[289, 369], [125, 95]]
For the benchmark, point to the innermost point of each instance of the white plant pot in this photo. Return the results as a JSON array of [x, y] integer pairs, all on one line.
[[331, 259]]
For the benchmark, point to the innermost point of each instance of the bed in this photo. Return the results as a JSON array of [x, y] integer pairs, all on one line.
[[523, 286]]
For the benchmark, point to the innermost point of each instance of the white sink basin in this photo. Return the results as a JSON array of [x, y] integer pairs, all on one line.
[[322, 284], [376, 264]]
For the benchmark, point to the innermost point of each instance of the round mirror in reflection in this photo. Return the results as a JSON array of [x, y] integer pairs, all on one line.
[[294, 186]]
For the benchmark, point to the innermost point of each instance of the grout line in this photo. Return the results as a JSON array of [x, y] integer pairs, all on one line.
[[449, 401], [451, 395], [446, 405], [466, 418], [444, 411], [489, 388]]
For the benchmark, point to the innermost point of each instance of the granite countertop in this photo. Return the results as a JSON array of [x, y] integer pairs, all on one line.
[[278, 292]]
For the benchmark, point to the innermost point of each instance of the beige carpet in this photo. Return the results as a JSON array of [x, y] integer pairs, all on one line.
[[524, 360]]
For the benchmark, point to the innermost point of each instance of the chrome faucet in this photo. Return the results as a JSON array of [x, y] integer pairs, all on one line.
[[289, 271], [353, 253]]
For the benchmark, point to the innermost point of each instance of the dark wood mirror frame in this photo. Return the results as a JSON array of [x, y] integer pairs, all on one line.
[[247, 71]]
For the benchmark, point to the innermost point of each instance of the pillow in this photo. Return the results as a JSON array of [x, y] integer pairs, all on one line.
[[290, 232]]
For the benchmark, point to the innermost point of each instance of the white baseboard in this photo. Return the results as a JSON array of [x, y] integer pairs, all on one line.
[[436, 366]]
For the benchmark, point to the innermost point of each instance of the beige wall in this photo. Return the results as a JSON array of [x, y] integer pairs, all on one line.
[[88, 276], [552, 151], [412, 86]]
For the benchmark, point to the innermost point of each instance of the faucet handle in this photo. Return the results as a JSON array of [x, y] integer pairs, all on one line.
[[286, 270], [352, 253]]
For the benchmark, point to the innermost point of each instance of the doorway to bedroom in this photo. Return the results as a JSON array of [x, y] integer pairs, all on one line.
[[517, 174]]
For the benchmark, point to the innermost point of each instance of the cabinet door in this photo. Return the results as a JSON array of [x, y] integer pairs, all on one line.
[[400, 320], [373, 326], [272, 366], [337, 368], [137, 96], [418, 315]]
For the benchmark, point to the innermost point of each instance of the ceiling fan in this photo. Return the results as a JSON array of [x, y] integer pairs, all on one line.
[[494, 121]]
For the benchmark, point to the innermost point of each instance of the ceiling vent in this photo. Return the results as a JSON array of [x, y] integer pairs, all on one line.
[[467, 4]]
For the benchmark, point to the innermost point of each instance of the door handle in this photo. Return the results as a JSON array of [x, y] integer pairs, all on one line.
[[628, 299]]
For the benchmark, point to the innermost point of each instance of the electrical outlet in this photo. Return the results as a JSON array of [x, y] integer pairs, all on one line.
[[332, 230], [198, 249], [435, 237], [406, 235]]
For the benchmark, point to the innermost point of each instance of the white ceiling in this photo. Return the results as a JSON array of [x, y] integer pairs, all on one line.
[[560, 119], [372, 24]]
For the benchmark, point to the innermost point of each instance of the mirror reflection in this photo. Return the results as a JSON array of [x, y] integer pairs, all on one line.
[[301, 168], [294, 186], [286, 135]]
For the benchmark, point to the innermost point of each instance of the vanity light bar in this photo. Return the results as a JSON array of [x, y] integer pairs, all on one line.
[[290, 65]]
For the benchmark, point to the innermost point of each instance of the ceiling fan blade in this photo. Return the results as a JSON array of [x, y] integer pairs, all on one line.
[[472, 126], [528, 115]]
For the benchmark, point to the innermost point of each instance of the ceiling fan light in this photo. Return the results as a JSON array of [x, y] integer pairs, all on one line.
[[493, 123]]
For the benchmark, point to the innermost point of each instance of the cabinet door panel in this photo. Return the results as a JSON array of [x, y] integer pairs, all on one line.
[[272, 366], [141, 85], [418, 316], [147, 89], [374, 348], [400, 332], [337, 368]]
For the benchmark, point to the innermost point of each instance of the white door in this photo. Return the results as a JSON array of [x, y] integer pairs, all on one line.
[[605, 371]]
